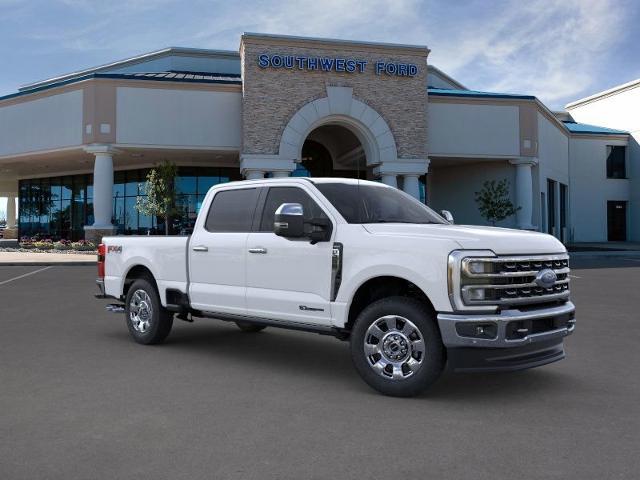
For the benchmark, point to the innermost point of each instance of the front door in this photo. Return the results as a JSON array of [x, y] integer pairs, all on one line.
[[288, 279], [617, 221], [217, 253]]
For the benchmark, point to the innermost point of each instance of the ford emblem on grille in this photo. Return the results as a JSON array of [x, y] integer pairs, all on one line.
[[546, 278]]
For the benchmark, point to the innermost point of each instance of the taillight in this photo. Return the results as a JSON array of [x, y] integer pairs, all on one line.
[[101, 257]]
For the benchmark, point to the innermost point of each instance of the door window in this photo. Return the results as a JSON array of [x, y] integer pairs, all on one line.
[[279, 195], [232, 211]]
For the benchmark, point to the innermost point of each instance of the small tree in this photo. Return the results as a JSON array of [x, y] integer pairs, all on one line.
[[160, 199], [493, 201]]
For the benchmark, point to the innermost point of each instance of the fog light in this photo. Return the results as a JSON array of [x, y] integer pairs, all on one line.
[[477, 330]]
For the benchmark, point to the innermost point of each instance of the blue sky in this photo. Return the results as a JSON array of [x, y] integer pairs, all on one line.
[[558, 50]]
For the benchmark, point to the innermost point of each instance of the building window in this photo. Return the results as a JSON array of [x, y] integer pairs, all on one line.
[[60, 207], [616, 161], [551, 207]]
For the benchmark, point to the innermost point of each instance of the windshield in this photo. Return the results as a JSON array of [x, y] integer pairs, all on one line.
[[366, 203]]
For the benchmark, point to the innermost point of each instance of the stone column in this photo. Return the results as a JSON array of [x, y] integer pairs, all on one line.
[[524, 191], [253, 174], [411, 185], [390, 179], [254, 166], [102, 192]]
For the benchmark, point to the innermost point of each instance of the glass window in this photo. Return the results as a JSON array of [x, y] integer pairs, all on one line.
[[232, 211], [67, 188], [616, 161], [119, 180], [186, 184], [279, 195], [131, 184], [130, 215], [366, 203]]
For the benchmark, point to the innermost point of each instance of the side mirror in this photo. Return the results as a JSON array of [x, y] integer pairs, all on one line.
[[289, 221], [447, 216]]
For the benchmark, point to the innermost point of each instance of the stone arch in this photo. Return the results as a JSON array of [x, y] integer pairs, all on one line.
[[340, 108]]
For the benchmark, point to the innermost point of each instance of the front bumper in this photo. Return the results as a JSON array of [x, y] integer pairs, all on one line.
[[510, 340]]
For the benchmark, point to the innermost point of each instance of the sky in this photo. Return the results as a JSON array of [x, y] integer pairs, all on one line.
[[558, 50]]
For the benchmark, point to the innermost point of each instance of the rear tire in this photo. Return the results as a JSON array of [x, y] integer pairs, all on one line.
[[249, 327], [396, 346], [148, 321]]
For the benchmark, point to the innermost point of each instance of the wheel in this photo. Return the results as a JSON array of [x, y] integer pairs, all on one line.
[[250, 327], [396, 346], [148, 321]]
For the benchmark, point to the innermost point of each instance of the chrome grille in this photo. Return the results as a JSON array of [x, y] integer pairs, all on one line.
[[505, 281]]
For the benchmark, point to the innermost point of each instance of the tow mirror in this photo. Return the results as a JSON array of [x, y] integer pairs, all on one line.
[[289, 221], [446, 214]]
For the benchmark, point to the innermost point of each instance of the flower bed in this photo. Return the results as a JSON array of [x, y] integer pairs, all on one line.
[[40, 245]]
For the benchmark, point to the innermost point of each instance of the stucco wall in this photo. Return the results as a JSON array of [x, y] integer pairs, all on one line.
[[45, 123], [272, 96], [165, 117], [464, 129], [590, 189], [621, 111], [453, 188]]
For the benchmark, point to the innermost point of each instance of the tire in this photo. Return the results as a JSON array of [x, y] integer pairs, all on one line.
[[148, 321], [396, 346], [250, 327]]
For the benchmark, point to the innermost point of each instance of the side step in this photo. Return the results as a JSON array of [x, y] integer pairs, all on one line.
[[115, 308]]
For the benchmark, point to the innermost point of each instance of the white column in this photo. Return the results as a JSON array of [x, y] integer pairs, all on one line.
[[11, 212], [390, 179], [524, 191], [411, 185], [253, 174], [280, 174], [102, 191]]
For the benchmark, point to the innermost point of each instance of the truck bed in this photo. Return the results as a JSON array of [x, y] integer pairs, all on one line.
[[165, 257]]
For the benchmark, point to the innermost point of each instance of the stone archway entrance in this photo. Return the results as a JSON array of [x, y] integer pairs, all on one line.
[[333, 150]]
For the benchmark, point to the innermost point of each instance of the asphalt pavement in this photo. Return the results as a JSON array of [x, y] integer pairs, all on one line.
[[80, 400]]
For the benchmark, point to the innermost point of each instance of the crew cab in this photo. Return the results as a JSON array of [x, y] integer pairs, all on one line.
[[361, 261]]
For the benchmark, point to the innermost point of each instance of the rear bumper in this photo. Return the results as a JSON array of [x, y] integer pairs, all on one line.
[[509, 340]]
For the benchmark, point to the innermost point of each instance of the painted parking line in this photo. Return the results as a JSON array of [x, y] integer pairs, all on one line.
[[574, 276], [25, 275]]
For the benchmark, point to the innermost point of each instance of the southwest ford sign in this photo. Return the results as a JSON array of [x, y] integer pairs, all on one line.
[[331, 64]]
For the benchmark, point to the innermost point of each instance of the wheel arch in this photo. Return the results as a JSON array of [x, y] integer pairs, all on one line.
[[135, 272], [382, 286]]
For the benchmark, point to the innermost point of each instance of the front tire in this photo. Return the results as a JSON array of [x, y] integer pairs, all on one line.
[[396, 346], [148, 321]]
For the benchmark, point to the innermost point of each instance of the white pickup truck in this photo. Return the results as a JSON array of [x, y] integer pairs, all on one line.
[[358, 260]]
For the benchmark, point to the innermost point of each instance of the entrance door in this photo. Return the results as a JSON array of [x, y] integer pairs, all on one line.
[[617, 221], [288, 279]]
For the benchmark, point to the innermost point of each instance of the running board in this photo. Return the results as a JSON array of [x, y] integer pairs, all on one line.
[[115, 308]]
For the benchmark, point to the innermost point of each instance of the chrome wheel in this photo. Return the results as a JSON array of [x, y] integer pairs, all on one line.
[[394, 347], [140, 311]]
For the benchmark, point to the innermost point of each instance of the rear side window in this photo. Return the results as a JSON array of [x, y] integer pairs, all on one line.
[[279, 195], [232, 211]]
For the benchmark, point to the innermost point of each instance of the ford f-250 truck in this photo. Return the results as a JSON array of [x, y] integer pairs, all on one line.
[[358, 260]]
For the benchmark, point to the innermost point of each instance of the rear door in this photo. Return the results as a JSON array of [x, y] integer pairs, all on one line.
[[217, 252], [288, 279]]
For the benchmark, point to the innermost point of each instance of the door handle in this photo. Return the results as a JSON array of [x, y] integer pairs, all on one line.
[[258, 250], [200, 248]]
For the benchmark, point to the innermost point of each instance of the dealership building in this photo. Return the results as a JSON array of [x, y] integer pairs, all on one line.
[[75, 149]]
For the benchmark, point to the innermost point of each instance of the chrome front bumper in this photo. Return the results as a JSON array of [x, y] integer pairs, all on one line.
[[500, 331]]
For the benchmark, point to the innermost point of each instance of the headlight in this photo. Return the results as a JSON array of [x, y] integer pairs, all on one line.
[[461, 265]]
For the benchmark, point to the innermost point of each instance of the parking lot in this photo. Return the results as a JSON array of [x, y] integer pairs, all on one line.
[[79, 399]]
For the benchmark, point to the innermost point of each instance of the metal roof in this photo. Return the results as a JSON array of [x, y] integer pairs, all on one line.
[[186, 77], [575, 127], [444, 92]]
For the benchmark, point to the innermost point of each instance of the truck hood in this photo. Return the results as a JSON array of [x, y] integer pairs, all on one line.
[[502, 241]]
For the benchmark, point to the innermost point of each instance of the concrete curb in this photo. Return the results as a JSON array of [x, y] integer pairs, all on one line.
[[47, 264], [612, 253]]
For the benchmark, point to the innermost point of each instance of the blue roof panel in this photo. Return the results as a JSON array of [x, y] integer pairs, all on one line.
[[444, 92], [575, 127]]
